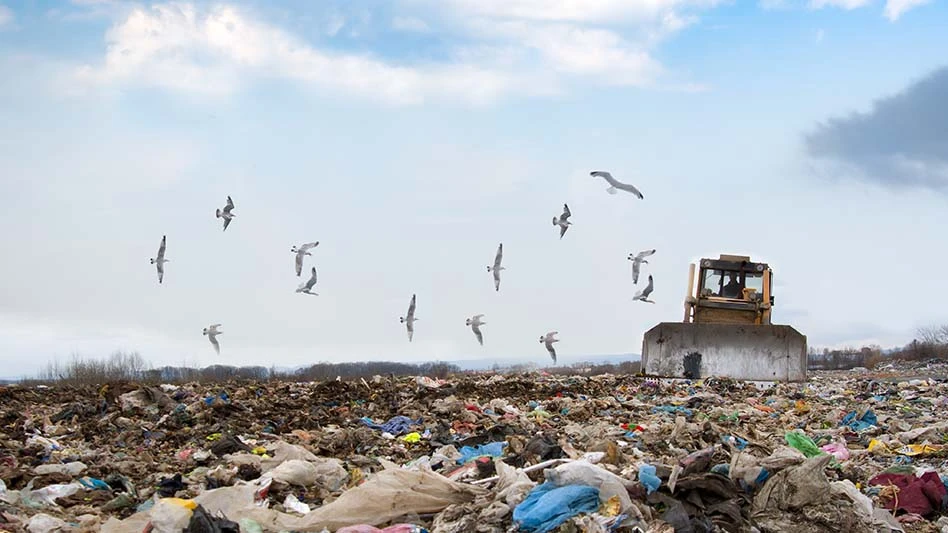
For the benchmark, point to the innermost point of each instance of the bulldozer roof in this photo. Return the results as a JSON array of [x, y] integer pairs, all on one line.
[[734, 262]]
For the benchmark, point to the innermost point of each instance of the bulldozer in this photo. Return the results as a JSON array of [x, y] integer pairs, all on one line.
[[727, 329]]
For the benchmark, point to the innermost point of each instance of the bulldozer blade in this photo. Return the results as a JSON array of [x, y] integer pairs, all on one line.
[[736, 351]]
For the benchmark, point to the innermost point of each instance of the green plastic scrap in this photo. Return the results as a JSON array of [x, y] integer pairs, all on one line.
[[803, 443], [250, 526], [809, 448]]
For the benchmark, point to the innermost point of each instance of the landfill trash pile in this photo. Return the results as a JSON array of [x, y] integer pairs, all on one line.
[[858, 451]]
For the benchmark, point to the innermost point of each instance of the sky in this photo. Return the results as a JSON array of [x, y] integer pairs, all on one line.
[[411, 137]]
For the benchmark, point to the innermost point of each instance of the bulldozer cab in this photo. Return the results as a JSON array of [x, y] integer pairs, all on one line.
[[731, 289]]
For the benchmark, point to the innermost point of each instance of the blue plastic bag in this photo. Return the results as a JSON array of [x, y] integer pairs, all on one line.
[[859, 424], [396, 425], [547, 506], [649, 480], [469, 453]]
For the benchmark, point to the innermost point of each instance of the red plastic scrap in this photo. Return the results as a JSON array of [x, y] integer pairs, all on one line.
[[919, 495]]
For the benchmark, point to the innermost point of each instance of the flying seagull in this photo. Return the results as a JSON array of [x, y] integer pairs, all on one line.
[[212, 334], [637, 260], [615, 184], [227, 213], [643, 294], [549, 340], [307, 286], [497, 268], [562, 222], [160, 260], [409, 319], [475, 322], [300, 251]]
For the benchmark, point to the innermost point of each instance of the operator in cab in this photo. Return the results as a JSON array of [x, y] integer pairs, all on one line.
[[733, 287]]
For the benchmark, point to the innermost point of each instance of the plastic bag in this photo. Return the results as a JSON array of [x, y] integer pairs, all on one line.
[[384, 497], [859, 423], [203, 522], [292, 503], [803, 443], [326, 473], [548, 506], [837, 450], [48, 495], [649, 480], [512, 485], [68, 469], [43, 523], [469, 453], [397, 528], [583, 473], [171, 515]]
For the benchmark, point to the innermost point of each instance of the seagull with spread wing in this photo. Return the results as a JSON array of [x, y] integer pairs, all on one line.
[[643, 294], [160, 260], [300, 251], [475, 322], [212, 332], [307, 286], [226, 213], [409, 319], [549, 340], [615, 184], [637, 260], [497, 268], [562, 221]]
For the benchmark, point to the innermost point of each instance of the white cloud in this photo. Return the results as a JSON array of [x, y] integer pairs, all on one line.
[[844, 4], [896, 8], [179, 47], [607, 41], [6, 16], [893, 8], [586, 11], [217, 50], [410, 24], [581, 51]]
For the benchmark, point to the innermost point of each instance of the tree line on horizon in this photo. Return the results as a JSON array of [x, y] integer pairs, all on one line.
[[931, 342], [131, 366]]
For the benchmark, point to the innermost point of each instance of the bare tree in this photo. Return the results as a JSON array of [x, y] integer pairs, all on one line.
[[934, 335]]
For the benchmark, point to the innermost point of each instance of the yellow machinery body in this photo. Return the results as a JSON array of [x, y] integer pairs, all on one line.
[[727, 329]]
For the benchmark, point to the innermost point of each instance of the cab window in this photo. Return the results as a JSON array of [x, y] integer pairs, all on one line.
[[754, 280], [729, 283], [711, 285]]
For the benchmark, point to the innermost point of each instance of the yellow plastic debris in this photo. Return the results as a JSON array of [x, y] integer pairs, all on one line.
[[878, 446], [259, 450], [610, 507], [412, 437], [187, 504], [355, 477], [919, 449], [214, 436]]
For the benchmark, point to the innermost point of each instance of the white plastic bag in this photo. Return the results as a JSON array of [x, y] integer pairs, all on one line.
[[293, 503]]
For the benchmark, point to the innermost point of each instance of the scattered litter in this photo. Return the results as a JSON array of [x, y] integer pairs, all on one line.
[[846, 451]]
